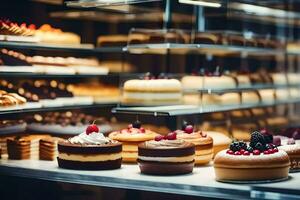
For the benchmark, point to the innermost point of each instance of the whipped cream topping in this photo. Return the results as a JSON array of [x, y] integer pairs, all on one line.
[[166, 144], [93, 138]]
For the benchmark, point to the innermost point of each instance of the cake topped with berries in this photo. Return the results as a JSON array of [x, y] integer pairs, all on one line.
[[135, 132], [166, 155], [203, 143], [90, 150], [260, 160], [131, 137]]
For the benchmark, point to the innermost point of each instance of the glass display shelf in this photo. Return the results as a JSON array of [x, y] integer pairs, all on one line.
[[200, 183], [254, 87], [104, 3], [21, 110], [163, 48], [45, 76], [88, 48], [178, 110]]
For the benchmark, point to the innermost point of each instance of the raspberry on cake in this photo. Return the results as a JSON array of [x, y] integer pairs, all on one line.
[[166, 155], [131, 137], [259, 161], [90, 150], [152, 91], [203, 143]]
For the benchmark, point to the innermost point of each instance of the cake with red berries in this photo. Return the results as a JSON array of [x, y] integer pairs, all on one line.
[[203, 143], [166, 155], [90, 150], [131, 137], [260, 161]]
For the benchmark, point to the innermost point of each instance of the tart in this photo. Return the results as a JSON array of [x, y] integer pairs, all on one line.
[[166, 155], [260, 161], [203, 143], [131, 137], [90, 150]]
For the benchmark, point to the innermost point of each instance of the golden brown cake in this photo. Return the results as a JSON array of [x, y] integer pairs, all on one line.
[[208, 82], [293, 151], [131, 137], [152, 92], [203, 143], [260, 161], [220, 141]]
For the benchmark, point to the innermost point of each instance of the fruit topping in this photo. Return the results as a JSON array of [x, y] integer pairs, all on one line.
[[237, 153], [242, 151], [92, 128], [256, 152], [243, 145], [268, 146], [189, 129], [137, 124], [129, 126], [235, 146], [266, 152], [256, 137], [259, 146], [142, 130], [268, 137], [275, 150], [249, 149], [229, 151], [171, 136], [203, 134], [291, 141], [246, 153], [296, 134], [277, 140], [159, 138]]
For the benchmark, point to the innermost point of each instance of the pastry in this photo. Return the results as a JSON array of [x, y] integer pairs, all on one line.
[[293, 78], [243, 80], [279, 78], [48, 148], [260, 161], [152, 92], [208, 82], [166, 155], [293, 151], [220, 141], [90, 150], [24, 147], [131, 137], [47, 34], [250, 98], [203, 143], [267, 95]]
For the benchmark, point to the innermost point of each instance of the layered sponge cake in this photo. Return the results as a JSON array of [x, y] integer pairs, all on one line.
[[90, 150], [166, 155], [152, 92]]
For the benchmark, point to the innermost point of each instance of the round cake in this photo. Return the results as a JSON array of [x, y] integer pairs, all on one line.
[[293, 151], [208, 82], [152, 92], [203, 143], [260, 161], [131, 137], [166, 155], [90, 150]]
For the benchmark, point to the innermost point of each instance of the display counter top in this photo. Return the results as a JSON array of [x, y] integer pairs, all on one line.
[[200, 183]]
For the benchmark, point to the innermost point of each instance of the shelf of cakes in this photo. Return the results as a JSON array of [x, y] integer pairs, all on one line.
[[199, 94], [211, 42], [12, 62], [41, 95], [180, 162], [104, 3]]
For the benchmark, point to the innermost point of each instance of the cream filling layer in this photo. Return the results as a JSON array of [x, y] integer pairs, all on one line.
[[90, 158], [168, 159], [151, 95]]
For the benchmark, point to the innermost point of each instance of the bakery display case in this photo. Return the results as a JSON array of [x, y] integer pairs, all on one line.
[[137, 99]]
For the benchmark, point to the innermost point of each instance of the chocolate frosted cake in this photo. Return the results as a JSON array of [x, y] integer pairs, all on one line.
[[90, 150], [166, 155]]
